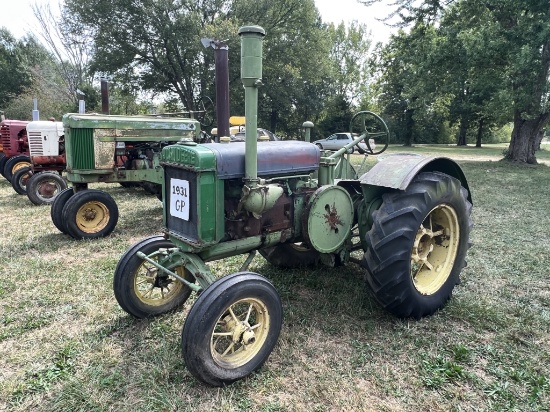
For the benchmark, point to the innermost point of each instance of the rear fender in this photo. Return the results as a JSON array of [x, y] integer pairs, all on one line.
[[396, 171]]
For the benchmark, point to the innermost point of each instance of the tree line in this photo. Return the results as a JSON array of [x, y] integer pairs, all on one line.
[[457, 71]]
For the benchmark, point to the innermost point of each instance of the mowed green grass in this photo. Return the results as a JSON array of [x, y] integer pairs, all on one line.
[[65, 345]]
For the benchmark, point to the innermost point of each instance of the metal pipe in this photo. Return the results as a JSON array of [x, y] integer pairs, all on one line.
[[35, 113], [222, 89], [251, 76], [104, 96]]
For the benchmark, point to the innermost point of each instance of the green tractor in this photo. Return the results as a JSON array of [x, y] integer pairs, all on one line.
[[409, 216], [111, 149]]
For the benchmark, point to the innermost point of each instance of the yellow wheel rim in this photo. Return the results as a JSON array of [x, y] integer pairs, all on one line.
[[240, 333], [19, 165], [434, 250], [92, 217], [154, 290]]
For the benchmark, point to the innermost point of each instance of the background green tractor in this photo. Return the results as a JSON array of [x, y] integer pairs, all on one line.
[[409, 216], [111, 149]]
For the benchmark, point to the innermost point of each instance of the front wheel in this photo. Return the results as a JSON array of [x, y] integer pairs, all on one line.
[[90, 214], [232, 328], [20, 180], [417, 245], [141, 289], [56, 212], [13, 164], [43, 187]]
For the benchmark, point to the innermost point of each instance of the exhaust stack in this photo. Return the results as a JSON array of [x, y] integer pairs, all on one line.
[[251, 76], [256, 198]]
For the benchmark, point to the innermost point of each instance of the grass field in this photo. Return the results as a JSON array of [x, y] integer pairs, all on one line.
[[65, 345]]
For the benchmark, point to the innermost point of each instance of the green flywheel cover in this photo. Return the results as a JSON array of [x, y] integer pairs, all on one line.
[[329, 217]]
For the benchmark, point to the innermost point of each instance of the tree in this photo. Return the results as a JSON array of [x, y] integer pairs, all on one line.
[[13, 71], [512, 39]]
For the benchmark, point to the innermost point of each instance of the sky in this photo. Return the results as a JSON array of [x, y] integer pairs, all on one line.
[[18, 18]]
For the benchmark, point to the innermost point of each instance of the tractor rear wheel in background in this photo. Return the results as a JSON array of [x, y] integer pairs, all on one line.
[[90, 214], [417, 245], [141, 289], [290, 255], [232, 328], [42, 188], [20, 180], [13, 164]]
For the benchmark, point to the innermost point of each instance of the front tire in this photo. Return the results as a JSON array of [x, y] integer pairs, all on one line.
[[20, 180], [42, 188], [13, 164], [90, 214], [417, 245], [56, 212], [140, 289], [232, 328]]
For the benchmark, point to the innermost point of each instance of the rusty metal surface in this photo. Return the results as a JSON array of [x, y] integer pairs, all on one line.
[[104, 154], [396, 171]]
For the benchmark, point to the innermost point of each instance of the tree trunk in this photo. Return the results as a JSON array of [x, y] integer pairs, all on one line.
[[540, 136], [479, 132], [273, 120], [409, 125], [525, 137], [462, 131]]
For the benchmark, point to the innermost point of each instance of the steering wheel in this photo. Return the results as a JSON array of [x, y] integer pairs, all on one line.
[[204, 109], [373, 126]]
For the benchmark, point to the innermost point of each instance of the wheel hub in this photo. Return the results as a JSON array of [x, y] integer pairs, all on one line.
[[241, 332], [46, 189], [423, 246], [90, 214]]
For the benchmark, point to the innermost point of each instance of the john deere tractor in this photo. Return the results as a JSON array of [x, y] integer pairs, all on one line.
[[111, 149], [408, 217]]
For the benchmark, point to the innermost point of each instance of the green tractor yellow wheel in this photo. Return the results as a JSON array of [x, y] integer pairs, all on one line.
[[141, 289], [434, 250], [417, 245], [232, 328], [90, 214]]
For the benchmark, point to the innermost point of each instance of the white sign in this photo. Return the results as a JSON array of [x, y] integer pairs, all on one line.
[[179, 198]]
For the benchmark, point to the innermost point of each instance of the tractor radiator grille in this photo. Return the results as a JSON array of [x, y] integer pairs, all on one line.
[[5, 138], [187, 229], [36, 147], [82, 142]]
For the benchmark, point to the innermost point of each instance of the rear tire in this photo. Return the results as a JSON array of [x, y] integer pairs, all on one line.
[[417, 245], [90, 214], [290, 255], [13, 164], [44, 187], [20, 180]]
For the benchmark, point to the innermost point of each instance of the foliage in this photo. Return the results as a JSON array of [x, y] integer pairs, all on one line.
[[13, 67], [506, 44]]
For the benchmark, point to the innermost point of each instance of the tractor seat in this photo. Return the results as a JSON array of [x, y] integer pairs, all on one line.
[[274, 158]]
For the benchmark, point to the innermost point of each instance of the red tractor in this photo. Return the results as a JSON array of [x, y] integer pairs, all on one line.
[[15, 144]]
